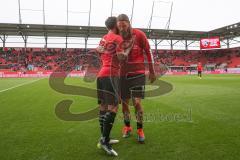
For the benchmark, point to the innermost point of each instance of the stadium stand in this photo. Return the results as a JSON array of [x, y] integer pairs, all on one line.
[[36, 59], [230, 57]]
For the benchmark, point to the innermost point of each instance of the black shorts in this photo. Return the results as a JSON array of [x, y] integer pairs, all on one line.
[[132, 86], [199, 72], [108, 90]]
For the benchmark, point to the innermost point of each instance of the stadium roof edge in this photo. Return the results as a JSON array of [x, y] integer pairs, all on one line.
[[13, 29], [229, 31]]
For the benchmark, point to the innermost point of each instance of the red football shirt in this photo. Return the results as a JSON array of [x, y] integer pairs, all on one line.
[[135, 62], [110, 63], [199, 67]]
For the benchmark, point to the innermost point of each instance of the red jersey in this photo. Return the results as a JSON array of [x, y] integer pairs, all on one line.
[[110, 63], [199, 67], [135, 62]]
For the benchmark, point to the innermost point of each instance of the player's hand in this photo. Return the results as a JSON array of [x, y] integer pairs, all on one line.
[[100, 49], [152, 77]]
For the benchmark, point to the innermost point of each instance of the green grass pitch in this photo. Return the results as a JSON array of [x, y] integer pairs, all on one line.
[[198, 120]]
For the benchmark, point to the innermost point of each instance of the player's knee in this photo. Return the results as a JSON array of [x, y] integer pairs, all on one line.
[[113, 109], [137, 103]]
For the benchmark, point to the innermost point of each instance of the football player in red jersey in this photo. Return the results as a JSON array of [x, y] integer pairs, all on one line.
[[199, 69], [108, 82], [110, 50], [132, 74]]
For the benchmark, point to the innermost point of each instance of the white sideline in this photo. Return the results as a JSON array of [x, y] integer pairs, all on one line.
[[19, 85]]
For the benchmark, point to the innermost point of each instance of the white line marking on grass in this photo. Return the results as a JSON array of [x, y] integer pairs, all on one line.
[[19, 85]]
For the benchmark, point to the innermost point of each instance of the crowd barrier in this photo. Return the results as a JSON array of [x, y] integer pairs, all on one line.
[[33, 74]]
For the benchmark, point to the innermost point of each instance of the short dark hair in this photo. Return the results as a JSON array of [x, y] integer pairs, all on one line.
[[111, 22]]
